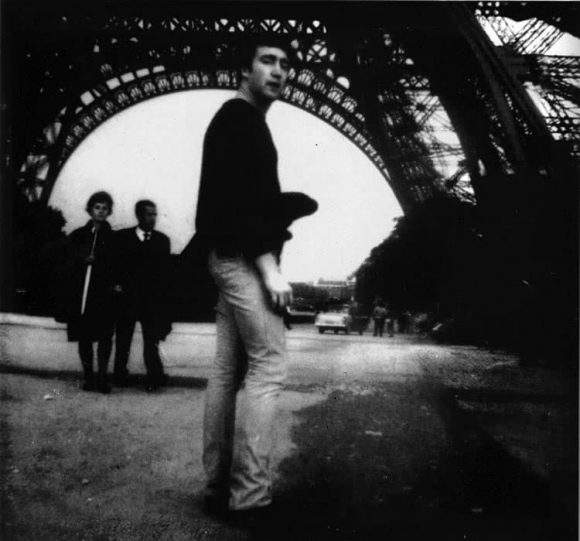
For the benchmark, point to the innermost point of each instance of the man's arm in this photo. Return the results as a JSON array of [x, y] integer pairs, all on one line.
[[166, 265], [279, 289]]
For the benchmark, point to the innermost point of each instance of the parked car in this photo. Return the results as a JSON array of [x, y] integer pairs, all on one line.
[[335, 318], [301, 311]]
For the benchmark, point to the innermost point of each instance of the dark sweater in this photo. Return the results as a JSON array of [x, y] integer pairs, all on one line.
[[239, 194]]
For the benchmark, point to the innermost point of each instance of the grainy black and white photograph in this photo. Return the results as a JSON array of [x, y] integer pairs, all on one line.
[[289, 270]]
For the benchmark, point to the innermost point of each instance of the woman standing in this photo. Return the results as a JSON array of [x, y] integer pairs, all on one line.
[[90, 291]]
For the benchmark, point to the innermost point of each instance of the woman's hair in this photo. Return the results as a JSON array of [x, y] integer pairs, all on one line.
[[100, 197]]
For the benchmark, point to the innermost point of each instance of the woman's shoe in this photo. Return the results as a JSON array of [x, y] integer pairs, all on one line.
[[88, 386]]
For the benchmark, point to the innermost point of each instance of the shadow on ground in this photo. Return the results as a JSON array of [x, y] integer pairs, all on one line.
[[74, 376], [404, 462]]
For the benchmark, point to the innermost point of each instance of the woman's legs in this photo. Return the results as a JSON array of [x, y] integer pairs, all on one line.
[[104, 347], [86, 355]]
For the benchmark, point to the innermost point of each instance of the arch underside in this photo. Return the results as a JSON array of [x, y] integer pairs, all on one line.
[[312, 92], [318, 97], [377, 77], [401, 149]]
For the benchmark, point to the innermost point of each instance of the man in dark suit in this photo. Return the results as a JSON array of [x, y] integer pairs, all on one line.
[[142, 277]]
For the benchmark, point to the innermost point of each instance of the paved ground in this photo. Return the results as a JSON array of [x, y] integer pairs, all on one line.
[[378, 439]]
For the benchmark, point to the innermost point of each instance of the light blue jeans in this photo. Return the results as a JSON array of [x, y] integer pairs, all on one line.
[[250, 358]]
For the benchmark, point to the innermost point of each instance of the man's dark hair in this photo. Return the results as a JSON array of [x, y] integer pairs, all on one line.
[[140, 207], [248, 47], [100, 197]]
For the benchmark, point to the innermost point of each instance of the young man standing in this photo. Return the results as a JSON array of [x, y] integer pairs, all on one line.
[[242, 219], [142, 276]]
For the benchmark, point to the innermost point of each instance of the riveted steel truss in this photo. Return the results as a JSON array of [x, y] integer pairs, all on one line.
[[419, 88], [554, 80]]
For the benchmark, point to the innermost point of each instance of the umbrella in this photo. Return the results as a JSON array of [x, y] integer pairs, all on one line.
[[88, 276]]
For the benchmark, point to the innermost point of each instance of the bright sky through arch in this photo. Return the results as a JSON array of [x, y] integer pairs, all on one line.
[[153, 151]]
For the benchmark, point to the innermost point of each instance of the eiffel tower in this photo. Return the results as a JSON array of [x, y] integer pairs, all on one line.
[[443, 97], [420, 88]]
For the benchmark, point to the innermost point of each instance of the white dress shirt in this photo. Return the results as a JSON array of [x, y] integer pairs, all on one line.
[[141, 234]]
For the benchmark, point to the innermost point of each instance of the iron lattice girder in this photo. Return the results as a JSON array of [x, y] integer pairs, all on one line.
[[565, 91], [557, 67], [372, 45], [218, 24], [308, 91], [558, 81], [559, 73], [495, 118], [556, 77], [563, 15], [137, 41], [536, 36], [82, 44]]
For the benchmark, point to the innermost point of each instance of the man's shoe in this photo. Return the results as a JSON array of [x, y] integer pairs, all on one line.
[[103, 388], [121, 380], [216, 505], [256, 516], [88, 386], [151, 387]]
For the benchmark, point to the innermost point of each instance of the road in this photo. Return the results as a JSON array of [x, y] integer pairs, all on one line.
[[378, 438]]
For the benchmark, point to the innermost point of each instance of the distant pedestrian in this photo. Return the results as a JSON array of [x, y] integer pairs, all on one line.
[[404, 322], [379, 317], [142, 280], [89, 292], [390, 321]]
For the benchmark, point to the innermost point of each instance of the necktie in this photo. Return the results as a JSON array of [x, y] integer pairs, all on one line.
[[147, 236]]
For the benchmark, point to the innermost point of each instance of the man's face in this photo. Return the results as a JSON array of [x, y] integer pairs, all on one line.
[[148, 218], [100, 212], [269, 73]]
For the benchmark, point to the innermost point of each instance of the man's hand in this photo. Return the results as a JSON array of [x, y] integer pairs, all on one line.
[[90, 259], [279, 289]]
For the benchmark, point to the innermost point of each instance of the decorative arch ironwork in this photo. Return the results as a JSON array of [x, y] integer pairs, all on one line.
[[390, 76], [311, 92]]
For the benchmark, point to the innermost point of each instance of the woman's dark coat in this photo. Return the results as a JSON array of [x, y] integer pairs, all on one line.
[[98, 319]]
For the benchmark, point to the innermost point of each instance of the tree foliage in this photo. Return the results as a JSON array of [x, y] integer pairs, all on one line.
[[504, 271], [38, 252], [428, 261]]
